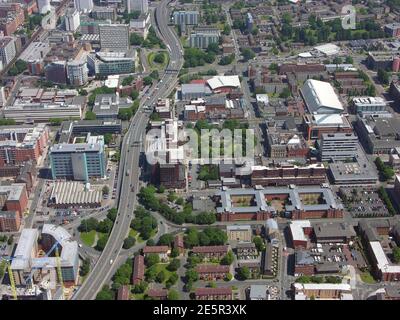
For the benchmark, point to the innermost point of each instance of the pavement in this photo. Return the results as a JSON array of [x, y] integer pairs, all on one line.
[[129, 171]]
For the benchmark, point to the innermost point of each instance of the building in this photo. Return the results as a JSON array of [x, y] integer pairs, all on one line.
[[79, 161], [392, 30], [184, 18], [203, 37], [249, 22], [138, 269], [77, 73], [56, 72], [322, 291], [300, 232], [261, 292], [257, 204], [67, 194], [72, 20], [379, 136], [211, 252], [210, 272], [123, 293], [110, 63], [192, 91], [213, 294], [104, 13], [83, 5], [114, 37], [241, 233], [106, 106], [337, 232], [10, 221], [318, 124], [138, 5], [328, 49], [69, 129], [161, 251], [141, 25], [26, 257], [7, 50], [20, 144], [320, 98], [369, 105], [224, 84], [338, 147], [12, 16], [158, 294], [380, 60], [178, 244], [43, 6]]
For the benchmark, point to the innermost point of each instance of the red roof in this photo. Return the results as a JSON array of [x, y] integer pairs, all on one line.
[[198, 81], [157, 293], [212, 291], [213, 268], [178, 241], [123, 293], [210, 249], [155, 249], [138, 268]]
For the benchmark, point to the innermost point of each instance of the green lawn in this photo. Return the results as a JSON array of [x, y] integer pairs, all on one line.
[[162, 266], [135, 234], [155, 65], [88, 238], [367, 278]]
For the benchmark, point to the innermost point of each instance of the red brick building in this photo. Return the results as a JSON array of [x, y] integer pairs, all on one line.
[[158, 294], [213, 294], [211, 252], [212, 272], [123, 293], [178, 243], [138, 269], [11, 17], [10, 221]]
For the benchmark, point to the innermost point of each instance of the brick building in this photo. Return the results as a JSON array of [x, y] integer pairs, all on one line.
[[211, 252], [213, 294], [138, 269], [212, 272]]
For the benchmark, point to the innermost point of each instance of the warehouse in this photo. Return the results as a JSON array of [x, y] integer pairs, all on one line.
[[67, 194]]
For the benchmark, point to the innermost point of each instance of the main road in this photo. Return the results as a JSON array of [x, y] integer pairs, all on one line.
[[128, 177]]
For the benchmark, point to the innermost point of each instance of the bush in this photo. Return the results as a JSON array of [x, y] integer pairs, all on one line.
[[174, 265], [159, 57], [105, 294], [129, 242], [152, 259]]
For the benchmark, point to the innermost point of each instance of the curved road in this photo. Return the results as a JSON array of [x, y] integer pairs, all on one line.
[[129, 163]]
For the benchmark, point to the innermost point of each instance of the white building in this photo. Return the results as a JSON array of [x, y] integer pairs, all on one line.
[[114, 37], [138, 5], [320, 97], [77, 73], [2, 97], [72, 20], [7, 50], [83, 5], [43, 6]]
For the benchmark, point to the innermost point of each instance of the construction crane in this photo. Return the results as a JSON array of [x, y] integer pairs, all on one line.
[[60, 277], [12, 280]]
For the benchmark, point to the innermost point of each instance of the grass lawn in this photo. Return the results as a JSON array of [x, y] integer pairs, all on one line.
[[155, 65], [162, 266], [135, 234], [88, 238], [367, 277], [138, 296]]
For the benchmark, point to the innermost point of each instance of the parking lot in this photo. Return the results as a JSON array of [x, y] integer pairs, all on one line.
[[363, 203]]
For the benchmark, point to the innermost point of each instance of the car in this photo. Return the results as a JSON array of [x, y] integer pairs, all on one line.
[[111, 261], [80, 245]]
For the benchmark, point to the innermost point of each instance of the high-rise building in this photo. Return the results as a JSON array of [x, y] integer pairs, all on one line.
[[43, 6], [83, 5], [183, 17], [56, 72], [202, 37], [79, 161], [72, 20], [2, 97], [77, 73], [7, 50], [114, 37], [138, 5], [108, 63], [338, 147]]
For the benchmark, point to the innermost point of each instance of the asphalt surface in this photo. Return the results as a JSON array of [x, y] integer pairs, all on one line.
[[129, 164]]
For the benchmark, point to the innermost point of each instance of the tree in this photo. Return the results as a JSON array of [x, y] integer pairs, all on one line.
[[129, 242], [88, 225], [152, 259], [101, 243], [148, 81], [337, 60], [349, 60], [171, 280], [179, 201], [248, 54], [151, 274], [112, 214], [285, 93], [191, 275], [161, 189], [383, 76], [225, 60], [173, 295], [160, 278], [259, 243], [125, 113], [90, 115], [135, 39], [191, 238], [108, 138], [155, 75], [140, 287], [159, 57], [10, 240], [105, 226], [85, 267], [227, 29], [396, 254], [174, 265], [105, 294], [166, 240], [174, 253], [105, 190], [228, 258], [243, 273]]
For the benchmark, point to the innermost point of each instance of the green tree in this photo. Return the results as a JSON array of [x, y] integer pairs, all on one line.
[[105, 190], [147, 81], [383, 76], [159, 57], [166, 240], [105, 294], [112, 214], [173, 278], [244, 273], [90, 115], [125, 113], [152, 259], [228, 258], [174, 265], [108, 138], [135, 39], [160, 278], [248, 54], [129, 242], [101, 242], [285, 93], [259, 243], [191, 275], [140, 287], [174, 253], [396, 254], [173, 295]]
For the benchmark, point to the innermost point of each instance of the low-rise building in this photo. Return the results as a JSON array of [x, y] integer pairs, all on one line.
[[300, 232], [212, 271], [239, 233], [213, 294], [211, 252], [322, 291], [138, 269], [161, 251], [158, 294]]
